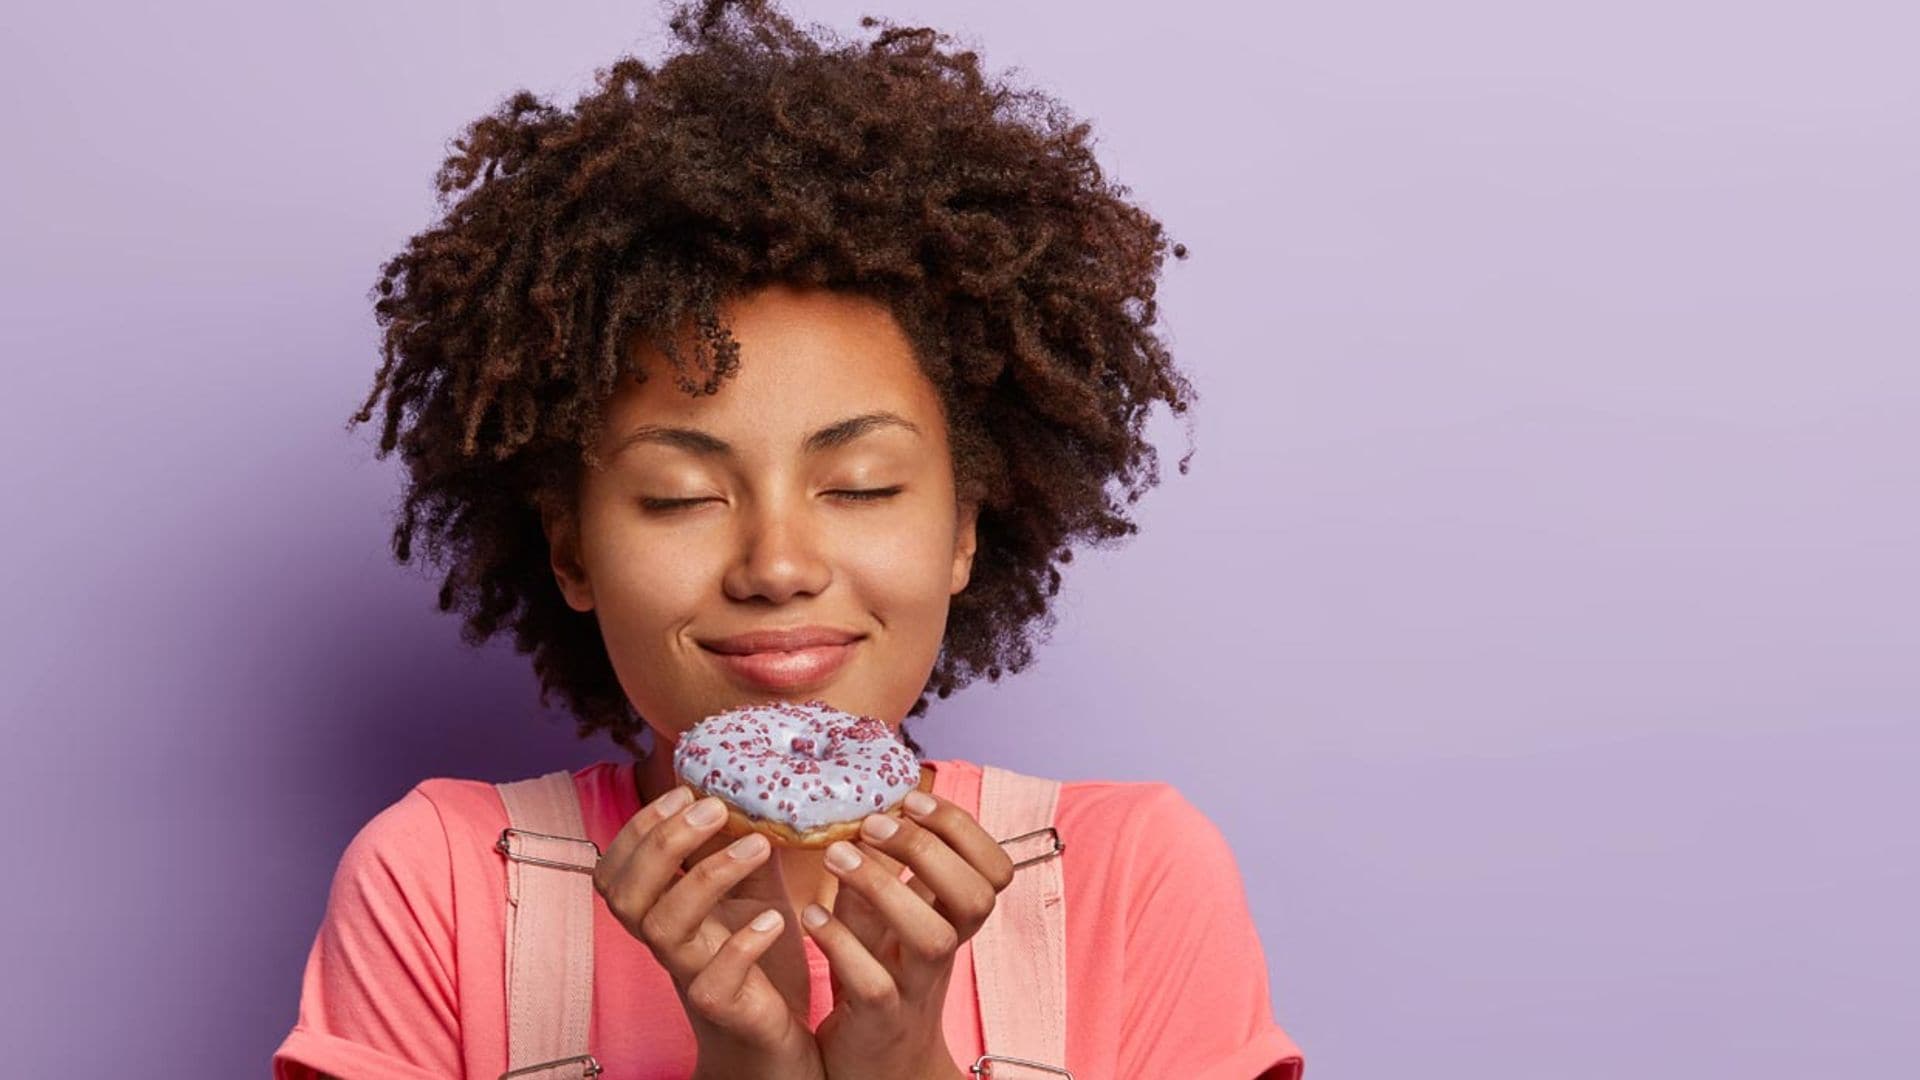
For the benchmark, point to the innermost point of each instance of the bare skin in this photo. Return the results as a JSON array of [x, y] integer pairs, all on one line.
[[773, 544], [816, 487]]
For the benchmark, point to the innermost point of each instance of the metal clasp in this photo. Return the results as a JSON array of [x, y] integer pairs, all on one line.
[[590, 1067], [982, 1068], [506, 848], [1050, 832]]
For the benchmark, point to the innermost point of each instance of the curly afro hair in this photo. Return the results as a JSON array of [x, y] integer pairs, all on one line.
[[756, 153]]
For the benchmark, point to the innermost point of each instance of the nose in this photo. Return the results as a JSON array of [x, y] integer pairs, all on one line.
[[778, 557]]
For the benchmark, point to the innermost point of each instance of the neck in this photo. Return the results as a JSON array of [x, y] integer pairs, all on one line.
[[653, 774]]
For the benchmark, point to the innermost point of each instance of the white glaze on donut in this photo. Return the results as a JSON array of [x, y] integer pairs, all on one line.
[[806, 765]]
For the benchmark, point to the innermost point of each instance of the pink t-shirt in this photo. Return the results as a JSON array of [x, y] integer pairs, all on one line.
[[406, 977]]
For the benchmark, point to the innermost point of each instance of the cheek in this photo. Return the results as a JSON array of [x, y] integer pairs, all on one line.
[[644, 584], [903, 573]]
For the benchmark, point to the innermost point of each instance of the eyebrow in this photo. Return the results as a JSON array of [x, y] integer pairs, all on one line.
[[695, 441]]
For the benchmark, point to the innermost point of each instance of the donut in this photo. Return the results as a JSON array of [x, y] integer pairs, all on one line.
[[804, 774]]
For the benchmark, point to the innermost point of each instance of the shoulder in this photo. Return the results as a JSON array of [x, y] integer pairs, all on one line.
[[1133, 832], [1150, 826], [1143, 810], [414, 839], [407, 830], [429, 810], [1139, 801], [1148, 811], [458, 816]]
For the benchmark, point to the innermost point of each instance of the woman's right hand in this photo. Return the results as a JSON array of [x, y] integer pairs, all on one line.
[[744, 1023]]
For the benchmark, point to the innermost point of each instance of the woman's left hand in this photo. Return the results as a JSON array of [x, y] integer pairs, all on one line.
[[890, 943]]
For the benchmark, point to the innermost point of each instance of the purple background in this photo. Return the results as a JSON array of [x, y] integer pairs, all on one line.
[[1538, 622]]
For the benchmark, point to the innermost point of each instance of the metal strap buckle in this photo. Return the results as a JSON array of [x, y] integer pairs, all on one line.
[[982, 1068], [589, 1065], [1051, 833], [590, 1068], [506, 848]]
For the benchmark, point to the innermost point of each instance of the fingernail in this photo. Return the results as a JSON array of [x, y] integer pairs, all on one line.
[[879, 826], [766, 920], [706, 812], [674, 801], [842, 855], [920, 804], [747, 847], [814, 916]]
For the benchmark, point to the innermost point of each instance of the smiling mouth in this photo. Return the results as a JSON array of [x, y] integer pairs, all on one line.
[[794, 669]]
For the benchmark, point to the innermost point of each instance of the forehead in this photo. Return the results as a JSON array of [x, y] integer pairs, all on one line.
[[808, 357]]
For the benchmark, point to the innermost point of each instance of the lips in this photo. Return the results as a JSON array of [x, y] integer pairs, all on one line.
[[785, 640], [798, 669], [784, 660]]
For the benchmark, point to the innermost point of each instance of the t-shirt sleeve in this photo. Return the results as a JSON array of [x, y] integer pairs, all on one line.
[[1197, 1003], [378, 999]]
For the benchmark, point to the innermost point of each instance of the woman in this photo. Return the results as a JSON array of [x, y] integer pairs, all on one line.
[[777, 372]]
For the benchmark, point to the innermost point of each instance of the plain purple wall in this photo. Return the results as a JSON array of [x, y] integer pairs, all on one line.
[[1539, 622]]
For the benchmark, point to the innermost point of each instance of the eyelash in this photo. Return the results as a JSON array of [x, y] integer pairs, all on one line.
[[868, 494], [859, 495]]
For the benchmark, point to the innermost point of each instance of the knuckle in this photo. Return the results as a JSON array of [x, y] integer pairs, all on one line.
[[641, 823], [1000, 872], [658, 841], [919, 842], [605, 880], [707, 998], [720, 866], [653, 928], [938, 944], [882, 996]]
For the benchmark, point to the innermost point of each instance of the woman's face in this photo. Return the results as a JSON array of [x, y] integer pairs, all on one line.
[[730, 514]]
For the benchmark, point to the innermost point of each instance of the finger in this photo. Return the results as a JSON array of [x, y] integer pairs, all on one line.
[[904, 873], [632, 887], [669, 847], [857, 977], [864, 920], [766, 882], [676, 926], [765, 886], [732, 827], [732, 992], [627, 840], [960, 893], [924, 938], [963, 833], [900, 870]]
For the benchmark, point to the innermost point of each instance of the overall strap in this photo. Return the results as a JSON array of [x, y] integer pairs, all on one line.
[[549, 866], [1019, 953]]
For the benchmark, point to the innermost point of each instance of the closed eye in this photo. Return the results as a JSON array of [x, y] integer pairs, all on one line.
[[669, 504], [868, 494], [855, 494]]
